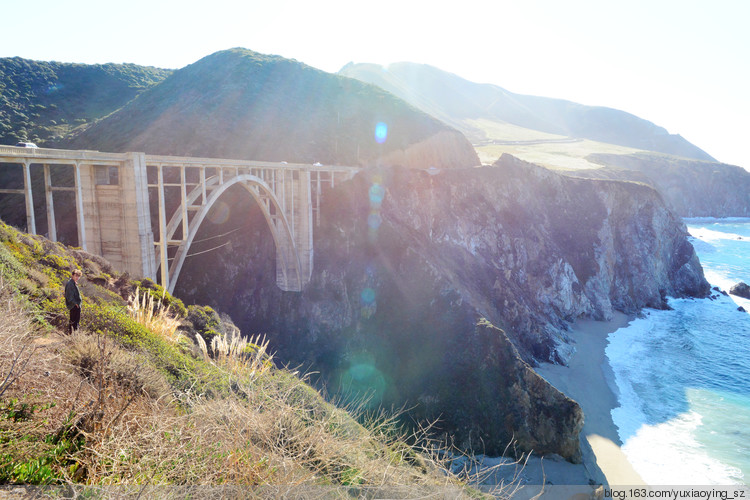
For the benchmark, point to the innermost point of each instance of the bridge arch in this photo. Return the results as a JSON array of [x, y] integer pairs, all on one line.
[[289, 270], [116, 214]]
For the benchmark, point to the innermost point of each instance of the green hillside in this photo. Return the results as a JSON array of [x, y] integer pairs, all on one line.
[[44, 101], [241, 104], [152, 393]]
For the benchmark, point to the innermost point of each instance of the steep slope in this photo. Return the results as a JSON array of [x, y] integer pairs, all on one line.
[[44, 101], [407, 264], [240, 104], [693, 188], [461, 103], [137, 392]]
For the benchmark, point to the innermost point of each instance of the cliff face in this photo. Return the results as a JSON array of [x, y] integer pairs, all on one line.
[[437, 291], [692, 188]]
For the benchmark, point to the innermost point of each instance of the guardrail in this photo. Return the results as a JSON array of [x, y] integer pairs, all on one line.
[[8, 152]]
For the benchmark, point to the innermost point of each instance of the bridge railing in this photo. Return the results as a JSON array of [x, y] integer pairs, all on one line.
[[7, 152], [99, 156]]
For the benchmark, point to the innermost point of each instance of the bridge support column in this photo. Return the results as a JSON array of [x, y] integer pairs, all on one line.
[[81, 210], [163, 236], [89, 223], [51, 226], [303, 235], [294, 192], [143, 213], [114, 214], [30, 220]]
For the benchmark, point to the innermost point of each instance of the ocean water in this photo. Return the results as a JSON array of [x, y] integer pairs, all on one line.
[[683, 376]]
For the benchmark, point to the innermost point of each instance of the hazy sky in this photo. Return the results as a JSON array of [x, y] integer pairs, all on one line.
[[682, 64]]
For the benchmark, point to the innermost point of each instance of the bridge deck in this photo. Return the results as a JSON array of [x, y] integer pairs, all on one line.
[[12, 154]]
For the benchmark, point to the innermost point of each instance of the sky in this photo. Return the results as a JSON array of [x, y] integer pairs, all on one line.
[[682, 64]]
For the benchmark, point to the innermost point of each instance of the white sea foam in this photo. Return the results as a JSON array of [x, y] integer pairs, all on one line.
[[658, 422], [710, 235], [717, 220], [683, 376], [668, 454]]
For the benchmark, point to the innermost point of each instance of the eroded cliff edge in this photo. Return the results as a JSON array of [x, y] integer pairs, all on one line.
[[693, 188], [437, 290]]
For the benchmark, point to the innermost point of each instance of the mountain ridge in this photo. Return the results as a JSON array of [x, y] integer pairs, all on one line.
[[43, 101], [241, 104]]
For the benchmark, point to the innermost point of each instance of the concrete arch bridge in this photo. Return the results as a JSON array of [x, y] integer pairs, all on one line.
[[142, 212]]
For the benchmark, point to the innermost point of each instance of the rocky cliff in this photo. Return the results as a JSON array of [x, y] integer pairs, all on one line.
[[437, 290], [693, 188]]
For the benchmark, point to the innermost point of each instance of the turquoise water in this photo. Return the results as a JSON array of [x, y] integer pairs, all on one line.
[[683, 376]]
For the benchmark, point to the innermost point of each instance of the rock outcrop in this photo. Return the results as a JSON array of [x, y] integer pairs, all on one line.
[[438, 290], [693, 188], [741, 289]]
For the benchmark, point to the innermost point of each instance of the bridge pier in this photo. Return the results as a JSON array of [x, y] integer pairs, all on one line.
[[30, 220], [51, 226]]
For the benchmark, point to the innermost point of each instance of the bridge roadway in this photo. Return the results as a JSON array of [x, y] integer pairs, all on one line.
[[142, 212]]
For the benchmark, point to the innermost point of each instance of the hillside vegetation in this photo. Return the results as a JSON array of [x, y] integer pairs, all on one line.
[[152, 393], [44, 101], [241, 104]]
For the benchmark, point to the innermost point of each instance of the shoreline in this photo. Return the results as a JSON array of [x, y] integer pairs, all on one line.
[[589, 380]]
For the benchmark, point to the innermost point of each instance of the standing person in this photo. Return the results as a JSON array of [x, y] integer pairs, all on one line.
[[73, 300]]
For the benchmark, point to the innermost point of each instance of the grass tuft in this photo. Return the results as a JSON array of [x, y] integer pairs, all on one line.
[[154, 316]]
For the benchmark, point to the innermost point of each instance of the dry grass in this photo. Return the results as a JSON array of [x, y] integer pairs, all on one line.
[[237, 354], [566, 156], [154, 316], [16, 342], [103, 417]]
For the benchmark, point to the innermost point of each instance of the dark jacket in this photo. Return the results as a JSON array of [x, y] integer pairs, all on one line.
[[72, 295]]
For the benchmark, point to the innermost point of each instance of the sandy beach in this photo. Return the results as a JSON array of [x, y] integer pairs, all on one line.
[[590, 381]]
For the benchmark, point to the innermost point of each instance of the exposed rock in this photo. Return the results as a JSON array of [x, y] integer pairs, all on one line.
[[693, 188], [741, 289], [407, 264]]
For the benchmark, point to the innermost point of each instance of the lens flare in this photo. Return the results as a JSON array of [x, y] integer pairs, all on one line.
[[377, 193], [367, 296], [374, 220], [219, 213], [381, 132], [363, 380]]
